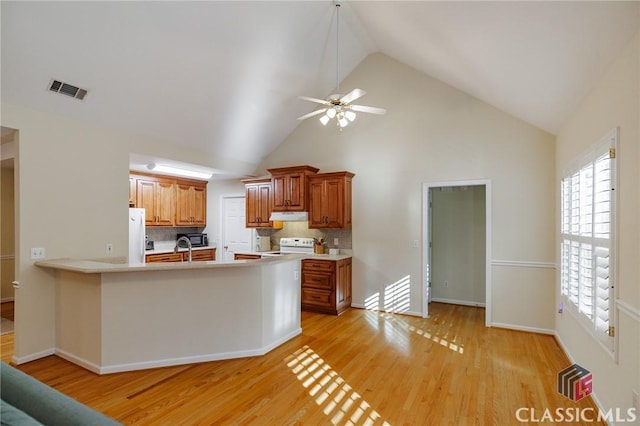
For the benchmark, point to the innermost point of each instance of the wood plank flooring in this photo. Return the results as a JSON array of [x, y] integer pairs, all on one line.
[[362, 367]]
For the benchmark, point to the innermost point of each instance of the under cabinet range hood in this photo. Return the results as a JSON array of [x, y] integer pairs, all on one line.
[[289, 216]]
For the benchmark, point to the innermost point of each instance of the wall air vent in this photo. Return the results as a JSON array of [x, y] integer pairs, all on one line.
[[67, 89]]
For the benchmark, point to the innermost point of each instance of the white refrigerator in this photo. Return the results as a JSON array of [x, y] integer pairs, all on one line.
[[137, 237]]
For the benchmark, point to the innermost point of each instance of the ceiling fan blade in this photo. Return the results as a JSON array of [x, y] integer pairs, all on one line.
[[311, 114], [372, 110], [320, 101], [352, 95]]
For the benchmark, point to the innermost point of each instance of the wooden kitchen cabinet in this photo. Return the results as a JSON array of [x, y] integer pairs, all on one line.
[[200, 255], [330, 200], [183, 256], [164, 257], [290, 188], [258, 202], [157, 196], [191, 203], [132, 191], [242, 256], [169, 201], [326, 285]]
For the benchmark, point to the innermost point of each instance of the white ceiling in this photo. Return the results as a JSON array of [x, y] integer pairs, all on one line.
[[225, 76]]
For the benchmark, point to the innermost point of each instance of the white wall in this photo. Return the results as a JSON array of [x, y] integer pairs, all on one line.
[[72, 180], [434, 133], [614, 101]]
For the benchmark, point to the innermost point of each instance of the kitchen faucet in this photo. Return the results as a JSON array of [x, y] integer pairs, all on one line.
[[175, 250]]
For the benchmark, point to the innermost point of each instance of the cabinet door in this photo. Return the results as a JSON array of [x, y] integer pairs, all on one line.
[[258, 201], [295, 186], [165, 202], [252, 196], [343, 285], [316, 204], [191, 205], [334, 203], [132, 192], [279, 192], [199, 206], [184, 205], [146, 199]]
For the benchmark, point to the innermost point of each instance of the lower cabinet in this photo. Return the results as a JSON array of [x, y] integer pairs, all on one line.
[[183, 256], [326, 285], [241, 256]]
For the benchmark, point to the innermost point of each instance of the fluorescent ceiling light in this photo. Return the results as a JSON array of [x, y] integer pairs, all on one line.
[[180, 172]]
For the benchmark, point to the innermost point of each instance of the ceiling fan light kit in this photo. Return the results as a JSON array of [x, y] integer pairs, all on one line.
[[338, 106]]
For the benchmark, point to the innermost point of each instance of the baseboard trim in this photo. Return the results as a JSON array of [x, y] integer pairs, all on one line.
[[524, 328], [459, 302], [144, 365], [23, 359]]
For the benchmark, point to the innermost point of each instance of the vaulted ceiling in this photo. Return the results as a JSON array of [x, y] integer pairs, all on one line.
[[225, 76]]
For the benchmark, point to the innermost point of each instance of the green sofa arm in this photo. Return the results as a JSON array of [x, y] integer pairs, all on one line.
[[45, 404]]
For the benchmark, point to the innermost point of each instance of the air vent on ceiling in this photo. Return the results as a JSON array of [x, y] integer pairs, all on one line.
[[67, 89]]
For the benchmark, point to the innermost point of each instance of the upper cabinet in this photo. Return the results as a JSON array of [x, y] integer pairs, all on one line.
[[169, 201], [290, 188], [191, 204], [157, 197], [330, 200], [258, 201]]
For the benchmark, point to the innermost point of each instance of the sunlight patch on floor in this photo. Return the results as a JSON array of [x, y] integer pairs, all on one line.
[[339, 401], [447, 343]]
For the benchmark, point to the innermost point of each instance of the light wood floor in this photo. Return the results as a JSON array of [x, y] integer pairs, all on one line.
[[362, 367]]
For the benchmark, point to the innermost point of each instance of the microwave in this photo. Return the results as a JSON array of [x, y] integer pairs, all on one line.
[[197, 240]]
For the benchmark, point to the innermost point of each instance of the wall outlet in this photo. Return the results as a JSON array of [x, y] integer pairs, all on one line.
[[336, 241], [446, 283], [109, 248], [296, 275], [37, 253]]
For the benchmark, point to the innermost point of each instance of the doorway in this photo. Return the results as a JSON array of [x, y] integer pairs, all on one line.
[[456, 232]]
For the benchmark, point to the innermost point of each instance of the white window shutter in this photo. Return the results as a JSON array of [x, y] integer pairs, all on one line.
[[586, 252]]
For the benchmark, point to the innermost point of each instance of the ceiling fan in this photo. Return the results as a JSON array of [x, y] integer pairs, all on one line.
[[339, 106]]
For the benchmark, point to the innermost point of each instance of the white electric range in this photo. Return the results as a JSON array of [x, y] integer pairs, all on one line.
[[292, 245]]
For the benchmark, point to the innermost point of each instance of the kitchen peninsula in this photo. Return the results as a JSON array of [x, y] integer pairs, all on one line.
[[113, 317]]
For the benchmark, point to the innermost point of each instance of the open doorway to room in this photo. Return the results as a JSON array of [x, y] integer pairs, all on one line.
[[456, 244], [8, 268]]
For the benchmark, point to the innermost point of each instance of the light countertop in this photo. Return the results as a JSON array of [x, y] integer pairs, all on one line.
[[99, 266]]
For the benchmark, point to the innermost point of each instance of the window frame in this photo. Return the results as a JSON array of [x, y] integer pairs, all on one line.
[[574, 233]]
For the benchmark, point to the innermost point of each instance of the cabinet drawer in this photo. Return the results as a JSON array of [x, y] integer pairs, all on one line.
[[318, 265], [202, 255], [165, 257], [311, 296], [239, 256], [323, 281]]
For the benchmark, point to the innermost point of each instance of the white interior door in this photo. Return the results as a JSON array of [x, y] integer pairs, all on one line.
[[236, 237]]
